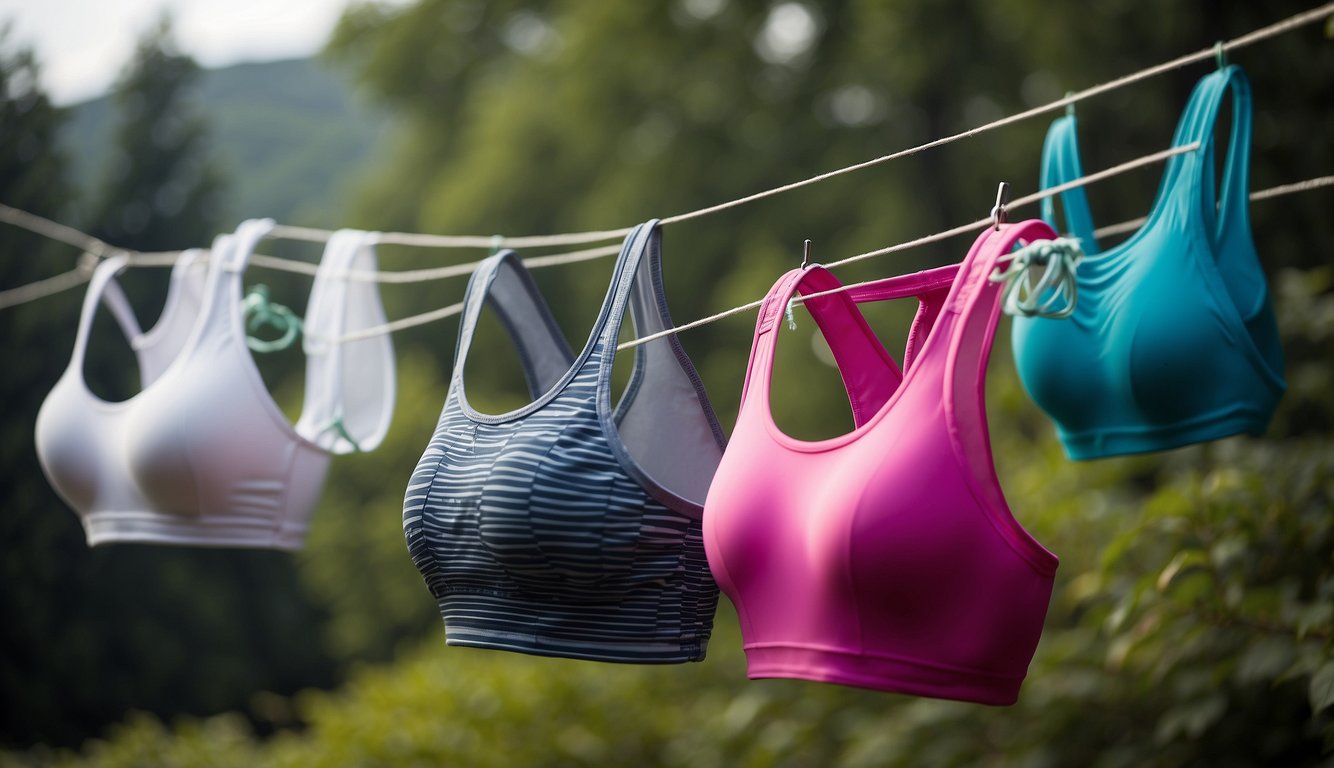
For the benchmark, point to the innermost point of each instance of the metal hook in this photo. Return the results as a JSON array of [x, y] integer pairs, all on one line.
[[1220, 55], [998, 214], [805, 254]]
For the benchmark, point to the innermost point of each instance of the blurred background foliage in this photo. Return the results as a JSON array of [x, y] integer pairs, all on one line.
[[1192, 619]]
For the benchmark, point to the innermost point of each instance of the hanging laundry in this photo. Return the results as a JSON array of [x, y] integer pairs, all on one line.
[[79, 437], [887, 557], [566, 527], [202, 455], [1173, 340]]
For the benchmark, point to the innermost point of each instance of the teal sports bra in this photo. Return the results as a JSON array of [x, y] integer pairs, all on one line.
[[1173, 339]]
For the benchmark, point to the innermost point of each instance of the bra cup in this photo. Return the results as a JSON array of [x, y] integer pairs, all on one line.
[[174, 448], [927, 569], [924, 553], [73, 470], [160, 445], [165, 477], [548, 535], [583, 541], [1062, 390], [1174, 377]]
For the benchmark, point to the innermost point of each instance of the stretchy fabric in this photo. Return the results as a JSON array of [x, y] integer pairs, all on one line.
[[1173, 339], [567, 528], [885, 558], [202, 455]]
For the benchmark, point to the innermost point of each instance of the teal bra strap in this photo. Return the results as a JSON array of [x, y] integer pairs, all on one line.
[[260, 312], [1227, 208], [1060, 163]]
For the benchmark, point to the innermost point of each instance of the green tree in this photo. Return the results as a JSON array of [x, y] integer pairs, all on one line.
[[160, 189], [87, 633], [32, 177]]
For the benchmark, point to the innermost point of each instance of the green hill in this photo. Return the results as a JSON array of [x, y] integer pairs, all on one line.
[[290, 136]]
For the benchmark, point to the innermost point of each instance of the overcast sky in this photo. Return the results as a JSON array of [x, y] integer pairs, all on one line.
[[82, 44]]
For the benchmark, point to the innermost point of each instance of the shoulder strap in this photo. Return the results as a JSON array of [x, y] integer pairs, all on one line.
[[664, 419], [1061, 163], [160, 345], [869, 372], [503, 282], [930, 287], [1194, 172], [221, 308], [104, 290], [242, 244], [350, 386], [759, 369], [972, 311], [1225, 210]]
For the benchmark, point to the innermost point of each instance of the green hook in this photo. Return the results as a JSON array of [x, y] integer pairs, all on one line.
[[496, 242], [1220, 55]]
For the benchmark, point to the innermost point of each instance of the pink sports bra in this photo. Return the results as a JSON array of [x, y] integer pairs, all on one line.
[[887, 557]]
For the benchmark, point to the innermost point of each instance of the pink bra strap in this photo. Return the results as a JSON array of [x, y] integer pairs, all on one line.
[[869, 373], [931, 287], [976, 299], [852, 342], [973, 309]]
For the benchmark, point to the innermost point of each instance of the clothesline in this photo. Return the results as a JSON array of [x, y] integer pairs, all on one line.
[[1264, 194], [88, 260], [444, 312], [1127, 226], [98, 248], [574, 238], [83, 271]]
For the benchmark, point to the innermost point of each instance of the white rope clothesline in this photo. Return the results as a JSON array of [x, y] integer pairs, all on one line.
[[97, 248], [573, 238], [93, 245], [1264, 194], [1126, 226], [439, 314]]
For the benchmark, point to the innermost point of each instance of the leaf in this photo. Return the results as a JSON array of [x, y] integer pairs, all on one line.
[[1265, 659], [1186, 559], [1322, 687], [1315, 616]]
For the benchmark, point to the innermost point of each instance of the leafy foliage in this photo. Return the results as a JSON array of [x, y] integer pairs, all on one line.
[[1191, 623], [288, 134], [87, 633], [161, 189]]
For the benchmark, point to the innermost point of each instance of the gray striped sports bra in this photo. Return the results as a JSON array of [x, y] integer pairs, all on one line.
[[568, 527]]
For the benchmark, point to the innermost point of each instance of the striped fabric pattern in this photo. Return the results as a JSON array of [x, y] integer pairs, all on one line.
[[533, 537]]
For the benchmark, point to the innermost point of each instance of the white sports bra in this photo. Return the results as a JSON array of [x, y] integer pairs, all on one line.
[[202, 455]]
